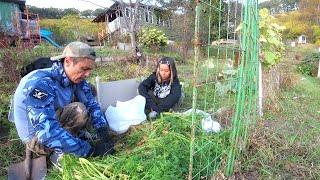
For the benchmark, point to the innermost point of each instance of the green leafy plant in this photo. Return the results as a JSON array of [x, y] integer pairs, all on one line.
[[272, 47], [227, 81], [153, 150], [152, 38], [309, 65]]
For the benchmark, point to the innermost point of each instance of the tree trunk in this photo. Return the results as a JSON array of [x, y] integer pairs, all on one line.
[[131, 25], [133, 31], [185, 44]]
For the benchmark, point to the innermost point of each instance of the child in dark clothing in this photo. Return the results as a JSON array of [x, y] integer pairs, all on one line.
[[162, 88]]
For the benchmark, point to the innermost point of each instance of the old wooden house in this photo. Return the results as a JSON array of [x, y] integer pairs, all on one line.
[[117, 19]]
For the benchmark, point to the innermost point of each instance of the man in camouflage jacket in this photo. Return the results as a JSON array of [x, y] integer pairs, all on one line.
[[47, 119]]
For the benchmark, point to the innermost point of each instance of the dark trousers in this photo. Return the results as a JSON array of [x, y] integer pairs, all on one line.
[[159, 101], [72, 118]]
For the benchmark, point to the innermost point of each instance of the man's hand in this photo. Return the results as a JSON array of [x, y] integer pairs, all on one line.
[[101, 150]]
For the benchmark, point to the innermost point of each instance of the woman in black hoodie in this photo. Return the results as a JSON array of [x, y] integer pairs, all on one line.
[[162, 88]]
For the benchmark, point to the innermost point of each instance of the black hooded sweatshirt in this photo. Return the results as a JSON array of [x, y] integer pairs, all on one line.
[[167, 102]]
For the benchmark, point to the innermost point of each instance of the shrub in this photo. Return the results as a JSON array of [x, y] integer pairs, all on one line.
[[309, 65], [152, 38], [271, 43]]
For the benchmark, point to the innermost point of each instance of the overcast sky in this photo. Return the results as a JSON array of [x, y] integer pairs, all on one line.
[[63, 4], [78, 4]]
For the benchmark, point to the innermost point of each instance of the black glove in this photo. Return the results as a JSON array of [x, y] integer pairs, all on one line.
[[103, 135], [101, 150]]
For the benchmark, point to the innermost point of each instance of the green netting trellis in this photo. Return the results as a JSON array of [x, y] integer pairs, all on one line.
[[225, 82]]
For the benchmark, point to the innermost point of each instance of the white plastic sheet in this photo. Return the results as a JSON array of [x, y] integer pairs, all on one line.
[[125, 114]]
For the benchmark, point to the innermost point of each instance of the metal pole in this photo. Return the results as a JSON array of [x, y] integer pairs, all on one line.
[[194, 94], [319, 64], [260, 91]]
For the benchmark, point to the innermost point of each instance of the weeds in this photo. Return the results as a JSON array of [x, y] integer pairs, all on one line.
[[309, 65], [286, 144], [119, 71], [12, 151], [110, 52]]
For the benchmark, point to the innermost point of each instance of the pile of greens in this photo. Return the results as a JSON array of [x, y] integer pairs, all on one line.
[[154, 150]]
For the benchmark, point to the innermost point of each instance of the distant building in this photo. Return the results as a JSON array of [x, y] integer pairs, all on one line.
[[8, 11], [302, 39], [116, 19], [16, 23]]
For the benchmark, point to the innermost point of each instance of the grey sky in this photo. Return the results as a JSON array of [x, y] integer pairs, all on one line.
[[78, 4], [63, 4]]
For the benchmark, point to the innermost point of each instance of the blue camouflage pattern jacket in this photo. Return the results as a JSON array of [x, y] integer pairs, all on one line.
[[38, 96]]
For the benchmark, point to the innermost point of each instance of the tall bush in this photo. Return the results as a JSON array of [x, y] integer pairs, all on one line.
[[309, 65], [152, 38], [271, 44]]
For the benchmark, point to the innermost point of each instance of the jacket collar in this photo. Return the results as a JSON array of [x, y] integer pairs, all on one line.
[[60, 75]]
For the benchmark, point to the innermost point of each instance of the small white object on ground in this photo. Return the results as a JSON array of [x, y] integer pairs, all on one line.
[[208, 125]]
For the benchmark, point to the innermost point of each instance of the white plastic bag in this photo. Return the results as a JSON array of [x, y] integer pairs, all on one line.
[[208, 125], [125, 114], [11, 112]]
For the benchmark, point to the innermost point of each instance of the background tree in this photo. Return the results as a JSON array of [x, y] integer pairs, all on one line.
[[182, 22], [131, 23], [70, 11], [295, 26], [310, 10], [303, 21], [55, 13], [98, 11], [86, 13], [280, 6], [47, 13]]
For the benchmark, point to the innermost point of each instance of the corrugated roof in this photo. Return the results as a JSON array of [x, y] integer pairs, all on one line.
[[14, 1], [113, 9]]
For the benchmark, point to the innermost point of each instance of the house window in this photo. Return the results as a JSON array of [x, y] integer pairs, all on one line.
[[146, 15], [170, 23], [158, 21], [167, 23], [140, 12], [128, 12], [150, 16]]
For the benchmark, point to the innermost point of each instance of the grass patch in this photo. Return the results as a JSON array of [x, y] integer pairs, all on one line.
[[111, 52], [12, 151], [118, 71], [286, 144], [176, 56]]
